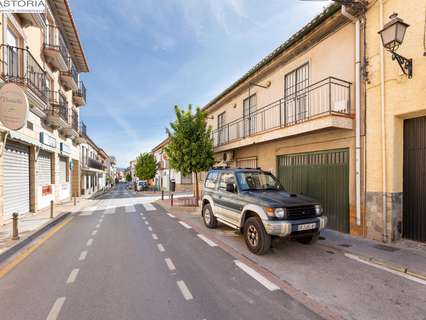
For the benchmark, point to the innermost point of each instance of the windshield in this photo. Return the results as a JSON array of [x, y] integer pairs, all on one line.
[[257, 180]]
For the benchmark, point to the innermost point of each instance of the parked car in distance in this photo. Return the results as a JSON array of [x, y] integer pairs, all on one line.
[[254, 202], [142, 185]]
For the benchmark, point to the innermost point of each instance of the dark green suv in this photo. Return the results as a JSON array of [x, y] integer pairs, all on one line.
[[254, 202]]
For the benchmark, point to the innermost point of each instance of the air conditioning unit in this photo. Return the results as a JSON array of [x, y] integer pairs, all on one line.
[[228, 156]]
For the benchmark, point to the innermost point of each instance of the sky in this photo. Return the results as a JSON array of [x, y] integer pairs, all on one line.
[[146, 56]]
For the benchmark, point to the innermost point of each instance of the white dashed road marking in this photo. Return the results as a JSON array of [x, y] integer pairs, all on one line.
[[184, 289], [170, 215], [170, 264], [89, 242], [154, 236], [97, 226], [73, 276], [160, 247], [94, 232], [207, 240], [83, 256], [149, 228], [149, 207], [57, 306], [146, 222], [185, 225], [257, 276]]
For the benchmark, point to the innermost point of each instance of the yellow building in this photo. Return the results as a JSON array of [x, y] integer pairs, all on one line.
[[294, 114], [42, 53], [396, 126]]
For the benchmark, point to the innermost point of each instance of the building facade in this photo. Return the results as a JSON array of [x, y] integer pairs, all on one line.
[[43, 55], [396, 126]]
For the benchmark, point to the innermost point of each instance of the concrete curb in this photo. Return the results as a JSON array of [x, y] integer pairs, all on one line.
[[23, 243]]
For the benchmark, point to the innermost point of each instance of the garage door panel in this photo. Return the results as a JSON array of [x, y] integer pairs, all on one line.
[[16, 179], [323, 176]]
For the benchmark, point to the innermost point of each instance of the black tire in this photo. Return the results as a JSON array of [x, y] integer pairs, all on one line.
[[208, 217], [255, 236], [309, 239]]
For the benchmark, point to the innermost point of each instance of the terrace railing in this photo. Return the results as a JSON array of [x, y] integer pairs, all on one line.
[[19, 66], [328, 96]]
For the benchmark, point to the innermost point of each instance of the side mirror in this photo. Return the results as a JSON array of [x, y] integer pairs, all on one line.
[[230, 187]]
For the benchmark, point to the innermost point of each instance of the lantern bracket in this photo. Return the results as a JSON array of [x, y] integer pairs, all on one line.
[[405, 64]]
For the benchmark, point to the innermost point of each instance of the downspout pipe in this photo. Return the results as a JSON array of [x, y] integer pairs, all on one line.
[[383, 124], [358, 22]]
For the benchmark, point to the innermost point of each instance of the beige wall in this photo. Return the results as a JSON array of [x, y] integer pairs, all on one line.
[[404, 98]]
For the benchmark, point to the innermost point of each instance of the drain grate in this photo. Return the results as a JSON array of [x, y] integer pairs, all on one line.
[[386, 248]]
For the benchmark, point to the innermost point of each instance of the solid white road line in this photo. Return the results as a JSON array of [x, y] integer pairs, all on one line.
[[83, 255], [72, 276], [85, 214], [154, 236], [149, 228], [170, 264], [57, 306], [94, 232], [401, 274], [184, 289], [160, 247], [97, 226], [170, 215], [257, 276], [149, 207], [89, 242], [207, 240], [185, 225]]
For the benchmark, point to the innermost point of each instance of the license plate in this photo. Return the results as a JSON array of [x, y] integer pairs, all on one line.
[[308, 226]]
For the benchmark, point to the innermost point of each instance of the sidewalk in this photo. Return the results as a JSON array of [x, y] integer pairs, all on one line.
[[404, 256], [30, 223]]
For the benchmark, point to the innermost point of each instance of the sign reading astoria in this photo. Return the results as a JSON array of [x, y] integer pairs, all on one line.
[[23, 6]]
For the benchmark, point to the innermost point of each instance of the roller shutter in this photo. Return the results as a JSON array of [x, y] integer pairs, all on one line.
[[62, 174], [16, 168], [44, 168]]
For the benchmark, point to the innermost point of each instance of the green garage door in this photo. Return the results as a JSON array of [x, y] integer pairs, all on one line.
[[322, 175]]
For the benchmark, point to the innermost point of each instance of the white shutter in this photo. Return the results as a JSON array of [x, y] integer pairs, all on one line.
[[62, 174], [44, 168], [16, 168]]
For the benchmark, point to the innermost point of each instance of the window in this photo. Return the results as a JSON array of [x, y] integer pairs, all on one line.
[[295, 94], [226, 178], [249, 107], [221, 120], [221, 128], [212, 179], [255, 180]]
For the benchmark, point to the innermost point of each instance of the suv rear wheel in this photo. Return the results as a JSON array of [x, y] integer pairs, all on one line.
[[208, 216], [257, 240]]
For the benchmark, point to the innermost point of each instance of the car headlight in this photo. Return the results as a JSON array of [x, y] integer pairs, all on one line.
[[276, 212], [318, 210]]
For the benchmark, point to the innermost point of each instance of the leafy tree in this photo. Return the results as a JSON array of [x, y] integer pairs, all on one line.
[[146, 166], [190, 147], [128, 177]]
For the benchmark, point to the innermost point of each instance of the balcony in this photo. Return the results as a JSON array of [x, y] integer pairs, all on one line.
[[72, 131], [95, 164], [79, 96], [19, 66], [57, 115], [69, 78], [82, 130], [55, 49], [325, 104]]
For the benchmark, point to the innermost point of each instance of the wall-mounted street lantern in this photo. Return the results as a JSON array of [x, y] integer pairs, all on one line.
[[392, 36]]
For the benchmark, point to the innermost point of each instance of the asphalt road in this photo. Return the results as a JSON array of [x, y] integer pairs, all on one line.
[[126, 258]]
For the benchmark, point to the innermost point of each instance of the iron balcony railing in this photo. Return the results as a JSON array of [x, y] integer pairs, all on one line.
[[72, 70], [19, 66], [75, 120], [328, 96], [81, 90], [95, 164], [55, 40], [58, 105], [83, 129]]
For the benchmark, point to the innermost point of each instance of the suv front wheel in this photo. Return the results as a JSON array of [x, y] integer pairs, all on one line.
[[208, 216], [257, 240]]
